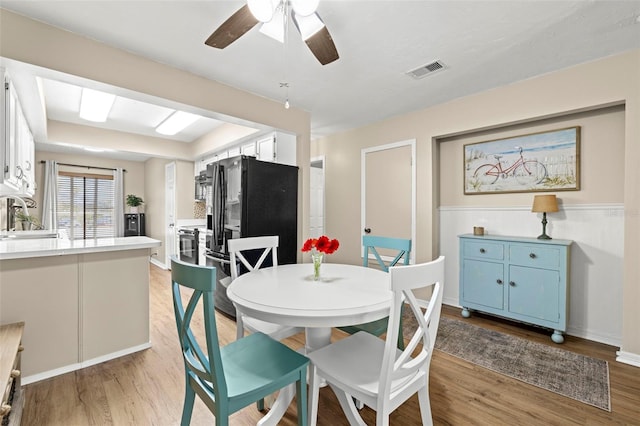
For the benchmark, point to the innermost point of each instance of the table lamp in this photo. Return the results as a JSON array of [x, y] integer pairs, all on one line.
[[544, 204]]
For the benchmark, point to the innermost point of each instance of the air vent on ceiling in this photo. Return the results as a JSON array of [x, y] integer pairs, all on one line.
[[427, 69]]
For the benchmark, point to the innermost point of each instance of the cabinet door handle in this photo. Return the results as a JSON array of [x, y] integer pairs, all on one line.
[[482, 250], [532, 255], [19, 172], [499, 281], [512, 284]]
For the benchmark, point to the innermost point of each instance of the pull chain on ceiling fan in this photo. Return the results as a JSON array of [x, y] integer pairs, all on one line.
[[270, 12]]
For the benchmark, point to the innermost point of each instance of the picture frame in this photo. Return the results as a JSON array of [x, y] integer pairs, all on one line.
[[535, 162]]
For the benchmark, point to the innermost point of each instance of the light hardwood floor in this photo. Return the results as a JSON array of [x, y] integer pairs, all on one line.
[[147, 388]]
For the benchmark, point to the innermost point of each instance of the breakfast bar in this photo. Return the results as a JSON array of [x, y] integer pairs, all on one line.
[[82, 301]]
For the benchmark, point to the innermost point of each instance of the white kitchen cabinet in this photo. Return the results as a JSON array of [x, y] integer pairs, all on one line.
[[278, 148], [249, 149], [17, 150], [275, 147]]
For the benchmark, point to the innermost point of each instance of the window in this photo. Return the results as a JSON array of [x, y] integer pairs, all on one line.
[[86, 205]]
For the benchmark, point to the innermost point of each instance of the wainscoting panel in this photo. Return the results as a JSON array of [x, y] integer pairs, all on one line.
[[595, 290]]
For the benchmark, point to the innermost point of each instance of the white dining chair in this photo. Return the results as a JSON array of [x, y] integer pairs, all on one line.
[[375, 371], [251, 252]]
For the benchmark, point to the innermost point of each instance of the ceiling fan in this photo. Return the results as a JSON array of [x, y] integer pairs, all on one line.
[[274, 15]]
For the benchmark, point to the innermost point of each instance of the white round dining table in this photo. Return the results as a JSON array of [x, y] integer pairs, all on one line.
[[288, 295]]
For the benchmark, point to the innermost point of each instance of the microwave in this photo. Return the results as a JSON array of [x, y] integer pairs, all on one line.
[[201, 184]]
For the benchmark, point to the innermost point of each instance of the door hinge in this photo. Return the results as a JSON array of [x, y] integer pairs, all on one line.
[[6, 85]]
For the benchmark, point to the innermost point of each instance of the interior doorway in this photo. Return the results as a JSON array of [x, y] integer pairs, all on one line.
[[170, 241], [316, 183], [388, 191]]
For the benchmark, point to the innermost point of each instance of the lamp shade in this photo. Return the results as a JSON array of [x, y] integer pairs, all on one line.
[[544, 204]]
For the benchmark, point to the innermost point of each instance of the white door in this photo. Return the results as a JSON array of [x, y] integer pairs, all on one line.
[[388, 190], [316, 180], [170, 242]]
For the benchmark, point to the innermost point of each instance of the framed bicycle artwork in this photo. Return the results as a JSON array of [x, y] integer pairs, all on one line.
[[546, 161]]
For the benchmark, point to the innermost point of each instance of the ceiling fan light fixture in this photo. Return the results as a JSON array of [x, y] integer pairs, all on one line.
[[263, 10], [176, 122], [275, 27], [308, 25], [305, 7], [95, 105]]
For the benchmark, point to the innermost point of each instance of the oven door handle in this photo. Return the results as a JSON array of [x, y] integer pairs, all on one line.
[[218, 259]]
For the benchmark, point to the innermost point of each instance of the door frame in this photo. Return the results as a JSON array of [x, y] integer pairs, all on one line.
[[363, 188], [170, 238], [321, 160]]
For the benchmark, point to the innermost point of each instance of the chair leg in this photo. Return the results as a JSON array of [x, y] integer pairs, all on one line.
[[425, 406], [301, 398], [239, 326], [382, 418], [348, 407], [187, 408], [400, 333], [314, 394]]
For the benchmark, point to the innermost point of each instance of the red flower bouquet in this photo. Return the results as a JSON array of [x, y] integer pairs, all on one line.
[[318, 248], [322, 244]]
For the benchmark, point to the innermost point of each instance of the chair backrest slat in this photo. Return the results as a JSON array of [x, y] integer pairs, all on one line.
[[238, 247], [372, 243], [404, 281], [199, 362]]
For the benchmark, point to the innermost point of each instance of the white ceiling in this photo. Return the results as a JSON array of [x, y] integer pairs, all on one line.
[[483, 44]]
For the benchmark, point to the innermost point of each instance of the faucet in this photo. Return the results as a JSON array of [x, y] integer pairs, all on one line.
[[20, 200]]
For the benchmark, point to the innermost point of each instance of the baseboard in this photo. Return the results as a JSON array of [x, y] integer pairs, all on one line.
[[628, 358], [80, 365], [158, 263], [113, 355], [571, 331]]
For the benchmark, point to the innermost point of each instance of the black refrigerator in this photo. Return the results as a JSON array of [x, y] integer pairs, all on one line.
[[249, 198]]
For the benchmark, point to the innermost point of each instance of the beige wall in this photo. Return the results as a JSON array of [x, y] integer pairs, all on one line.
[[601, 161], [610, 81], [58, 131]]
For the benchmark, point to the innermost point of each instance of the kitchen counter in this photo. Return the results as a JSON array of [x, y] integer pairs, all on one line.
[[19, 248], [82, 301]]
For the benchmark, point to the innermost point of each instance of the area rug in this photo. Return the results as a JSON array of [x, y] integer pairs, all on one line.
[[576, 376]]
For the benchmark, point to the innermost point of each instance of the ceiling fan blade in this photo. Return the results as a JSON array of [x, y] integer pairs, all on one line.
[[232, 29], [322, 46]]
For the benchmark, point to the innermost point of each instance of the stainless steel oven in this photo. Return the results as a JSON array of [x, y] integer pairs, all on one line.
[[188, 239]]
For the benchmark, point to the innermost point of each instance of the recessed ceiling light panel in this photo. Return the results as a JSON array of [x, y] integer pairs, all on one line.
[[95, 105]]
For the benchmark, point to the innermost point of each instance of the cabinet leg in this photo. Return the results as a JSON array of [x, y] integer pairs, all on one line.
[[557, 336], [465, 312]]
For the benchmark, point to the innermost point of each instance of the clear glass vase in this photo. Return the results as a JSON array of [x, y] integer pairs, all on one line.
[[317, 263]]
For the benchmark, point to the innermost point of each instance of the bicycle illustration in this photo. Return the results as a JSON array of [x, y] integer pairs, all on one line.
[[526, 172]]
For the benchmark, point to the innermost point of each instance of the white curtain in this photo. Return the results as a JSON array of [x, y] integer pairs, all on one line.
[[118, 206], [50, 196]]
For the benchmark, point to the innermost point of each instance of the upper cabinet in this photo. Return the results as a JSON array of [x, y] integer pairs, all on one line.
[[276, 147], [17, 148]]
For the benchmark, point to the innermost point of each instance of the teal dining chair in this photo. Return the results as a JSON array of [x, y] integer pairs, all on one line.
[[401, 249], [234, 376]]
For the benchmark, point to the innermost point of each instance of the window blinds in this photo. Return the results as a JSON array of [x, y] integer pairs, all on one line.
[[86, 205]]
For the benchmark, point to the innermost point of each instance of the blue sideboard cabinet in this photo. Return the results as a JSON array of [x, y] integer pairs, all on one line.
[[525, 279]]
